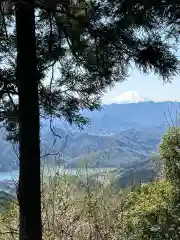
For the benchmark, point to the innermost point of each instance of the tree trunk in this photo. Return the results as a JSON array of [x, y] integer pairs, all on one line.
[[27, 78]]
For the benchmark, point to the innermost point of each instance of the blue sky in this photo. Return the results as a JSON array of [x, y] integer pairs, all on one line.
[[149, 86]]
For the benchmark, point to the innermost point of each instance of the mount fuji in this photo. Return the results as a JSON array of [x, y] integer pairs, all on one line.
[[129, 97]]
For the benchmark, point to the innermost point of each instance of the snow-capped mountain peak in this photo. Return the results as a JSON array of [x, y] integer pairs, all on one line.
[[129, 97]]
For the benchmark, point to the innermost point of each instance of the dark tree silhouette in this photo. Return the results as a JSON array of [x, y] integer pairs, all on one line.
[[29, 140]]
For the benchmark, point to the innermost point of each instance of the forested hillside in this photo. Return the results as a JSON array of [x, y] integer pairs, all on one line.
[[118, 136]]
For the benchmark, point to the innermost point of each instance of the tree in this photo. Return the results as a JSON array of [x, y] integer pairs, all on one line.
[[158, 165], [93, 44], [29, 123], [162, 221], [170, 153], [150, 213]]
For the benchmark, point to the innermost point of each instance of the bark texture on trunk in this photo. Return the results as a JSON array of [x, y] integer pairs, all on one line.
[[27, 78]]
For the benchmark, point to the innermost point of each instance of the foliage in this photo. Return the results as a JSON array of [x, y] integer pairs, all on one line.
[[9, 222], [73, 207], [150, 215], [158, 164], [169, 152]]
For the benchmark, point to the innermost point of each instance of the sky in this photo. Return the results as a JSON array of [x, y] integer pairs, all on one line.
[[149, 86]]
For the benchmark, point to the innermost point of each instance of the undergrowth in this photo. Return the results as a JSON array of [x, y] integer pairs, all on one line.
[[83, 207]]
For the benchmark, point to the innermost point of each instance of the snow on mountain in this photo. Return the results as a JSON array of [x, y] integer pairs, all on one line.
[[129, 97]]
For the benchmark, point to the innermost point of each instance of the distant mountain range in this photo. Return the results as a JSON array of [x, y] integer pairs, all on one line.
[[116, 117], [120, 135]]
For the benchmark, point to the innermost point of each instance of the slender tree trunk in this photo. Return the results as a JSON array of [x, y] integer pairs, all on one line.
[[27, 77]]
